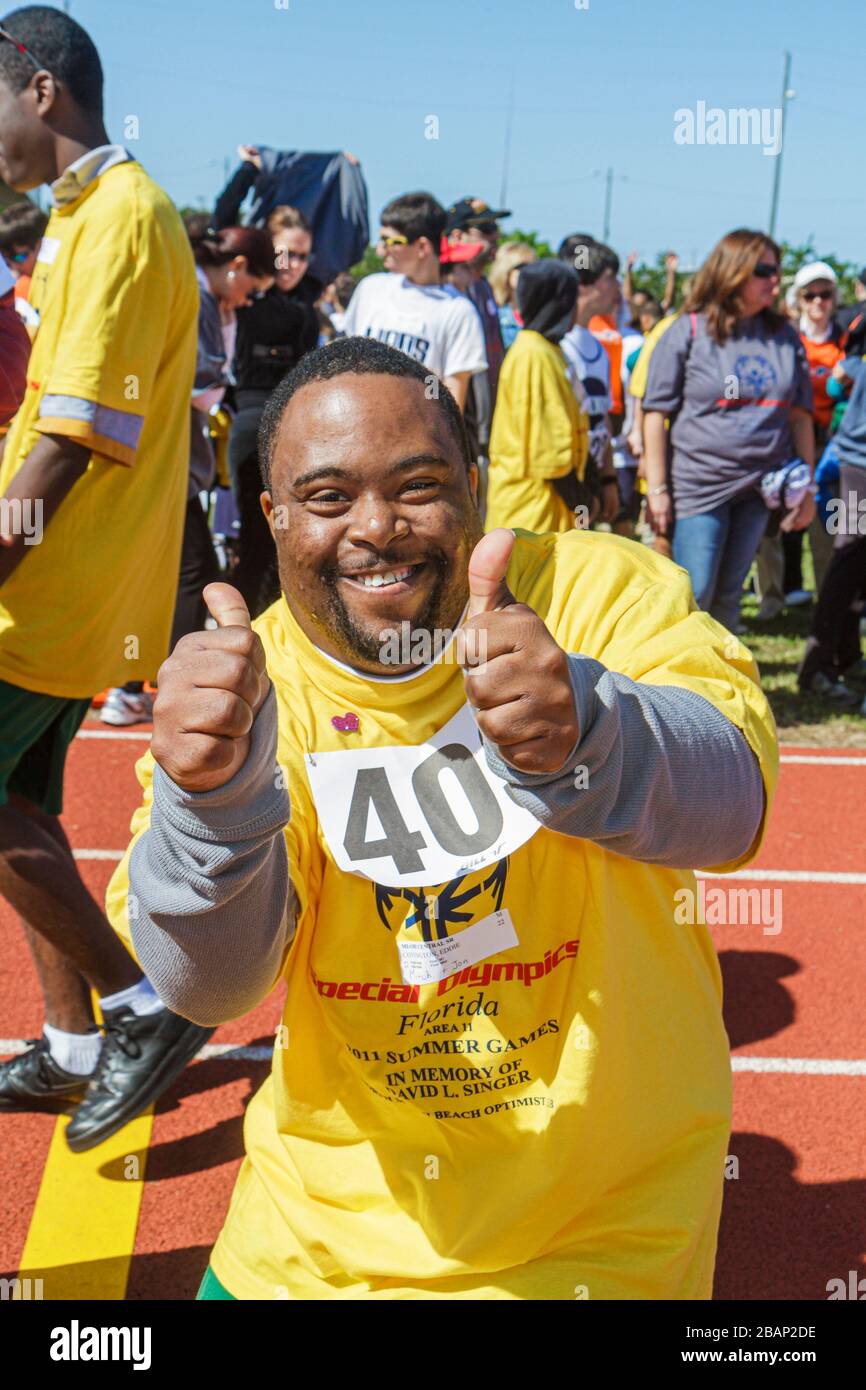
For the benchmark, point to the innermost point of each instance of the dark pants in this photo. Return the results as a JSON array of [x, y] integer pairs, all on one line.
[[256, 572], [834, 642], [198, 566]]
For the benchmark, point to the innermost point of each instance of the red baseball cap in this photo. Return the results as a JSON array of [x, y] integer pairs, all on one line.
[[453, 252]]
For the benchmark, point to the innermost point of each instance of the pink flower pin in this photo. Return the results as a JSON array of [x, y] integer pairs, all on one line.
[[346, 723]]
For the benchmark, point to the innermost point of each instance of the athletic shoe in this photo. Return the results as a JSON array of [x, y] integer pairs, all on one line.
[[140, 1058], [768, 610], [797, 597], [836, 691], [34, 1081], [122, 708]]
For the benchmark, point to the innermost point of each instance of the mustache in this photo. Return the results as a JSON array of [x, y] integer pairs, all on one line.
[[332, 571]]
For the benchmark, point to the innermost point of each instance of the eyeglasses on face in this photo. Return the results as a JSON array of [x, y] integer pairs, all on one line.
[[389, 241], [22, 48], [817, 294], [765, 270]]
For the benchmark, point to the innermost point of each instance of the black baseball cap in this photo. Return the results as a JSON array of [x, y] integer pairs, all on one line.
[[472, 212]]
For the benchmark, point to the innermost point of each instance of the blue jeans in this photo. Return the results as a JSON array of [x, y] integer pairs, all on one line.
[[717, 549]]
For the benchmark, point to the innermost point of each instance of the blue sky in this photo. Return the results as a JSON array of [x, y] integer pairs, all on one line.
[[593, 88]]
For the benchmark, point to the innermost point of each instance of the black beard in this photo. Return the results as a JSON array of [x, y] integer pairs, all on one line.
[[363, 645]]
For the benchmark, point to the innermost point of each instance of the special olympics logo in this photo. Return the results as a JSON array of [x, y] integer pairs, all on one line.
[[755, 374]]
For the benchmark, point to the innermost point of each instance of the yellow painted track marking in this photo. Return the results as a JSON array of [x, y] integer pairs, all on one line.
[[82, 1231]]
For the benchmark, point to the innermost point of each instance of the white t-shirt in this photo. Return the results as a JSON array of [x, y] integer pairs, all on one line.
[[434, 324], [591, 364], [622, 454]]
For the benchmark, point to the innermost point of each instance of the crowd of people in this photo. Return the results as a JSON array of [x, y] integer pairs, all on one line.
[[187, 385]]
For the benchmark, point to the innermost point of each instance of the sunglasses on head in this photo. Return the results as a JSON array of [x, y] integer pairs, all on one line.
[[765, 270], [22, 48], [817, 294]]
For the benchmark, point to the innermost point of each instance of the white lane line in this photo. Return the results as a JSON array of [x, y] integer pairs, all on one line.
[[118, 733], [832, 760], [750, 875], [790, 1066], [802, 1066], [787, 876], [211, 1052]]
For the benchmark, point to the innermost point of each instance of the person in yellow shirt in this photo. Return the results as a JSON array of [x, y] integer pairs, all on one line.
[[539, 440], [92, 495], [450, 789]]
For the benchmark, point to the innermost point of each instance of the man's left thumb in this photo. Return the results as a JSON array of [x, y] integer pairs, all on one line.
[[488, 566]]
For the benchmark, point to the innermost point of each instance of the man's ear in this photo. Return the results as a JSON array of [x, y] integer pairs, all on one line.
[[267, 506], [45, 92], [473, 482]]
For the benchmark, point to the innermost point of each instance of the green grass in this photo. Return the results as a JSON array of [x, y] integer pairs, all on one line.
[[777, 647]]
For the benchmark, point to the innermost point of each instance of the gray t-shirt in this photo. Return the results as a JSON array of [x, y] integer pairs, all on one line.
[[732, 403]]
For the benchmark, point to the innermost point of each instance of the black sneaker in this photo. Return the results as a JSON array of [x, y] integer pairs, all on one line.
[[139, 1060], [34, 1081]]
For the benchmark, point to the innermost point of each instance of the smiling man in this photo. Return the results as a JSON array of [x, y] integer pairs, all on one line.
[[502, 1070]]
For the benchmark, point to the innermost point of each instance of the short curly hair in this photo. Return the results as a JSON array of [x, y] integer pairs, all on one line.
[[61, 46], [359, 357]]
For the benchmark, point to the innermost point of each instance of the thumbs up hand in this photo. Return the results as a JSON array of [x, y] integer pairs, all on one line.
[[209, 692], [516, 676]]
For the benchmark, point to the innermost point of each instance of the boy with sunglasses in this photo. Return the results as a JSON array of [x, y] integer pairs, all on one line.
[[21, 229], [409, 308]]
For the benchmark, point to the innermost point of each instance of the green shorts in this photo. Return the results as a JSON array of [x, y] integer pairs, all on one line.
[[35, 733], [212, 1288]]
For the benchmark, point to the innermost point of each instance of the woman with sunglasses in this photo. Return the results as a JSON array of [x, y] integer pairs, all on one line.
[[274, 333], [731, 377]]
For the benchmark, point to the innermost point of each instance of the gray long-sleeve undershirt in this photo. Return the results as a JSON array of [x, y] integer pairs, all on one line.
[[668, 780]]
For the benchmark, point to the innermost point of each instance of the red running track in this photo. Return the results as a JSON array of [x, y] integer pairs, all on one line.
[[795, 1216]]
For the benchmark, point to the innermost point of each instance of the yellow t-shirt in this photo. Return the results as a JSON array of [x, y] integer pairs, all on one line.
[[539, 432], [556, 1115], [112, 366], [640, 371]]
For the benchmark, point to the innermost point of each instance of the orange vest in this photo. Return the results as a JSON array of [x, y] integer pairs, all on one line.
[[603, 326], [822, 358]]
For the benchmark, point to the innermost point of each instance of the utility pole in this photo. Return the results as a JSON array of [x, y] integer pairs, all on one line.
[[503, 190], [608, 196], [787, 95]]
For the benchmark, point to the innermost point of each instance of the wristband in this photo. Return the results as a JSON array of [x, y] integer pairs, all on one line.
[[655, 491]]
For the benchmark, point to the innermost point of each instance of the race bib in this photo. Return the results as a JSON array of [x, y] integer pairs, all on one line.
[[48, 248], [428, 962], [422, 814]]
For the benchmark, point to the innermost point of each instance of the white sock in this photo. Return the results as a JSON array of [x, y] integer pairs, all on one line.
[[77, 1053], [142, 998]]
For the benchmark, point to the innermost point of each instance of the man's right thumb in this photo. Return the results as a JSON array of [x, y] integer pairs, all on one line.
[[226, 605]]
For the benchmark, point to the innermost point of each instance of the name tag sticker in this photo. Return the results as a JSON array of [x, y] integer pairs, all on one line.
[[428, 962], [406, 816], [48, 250]]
